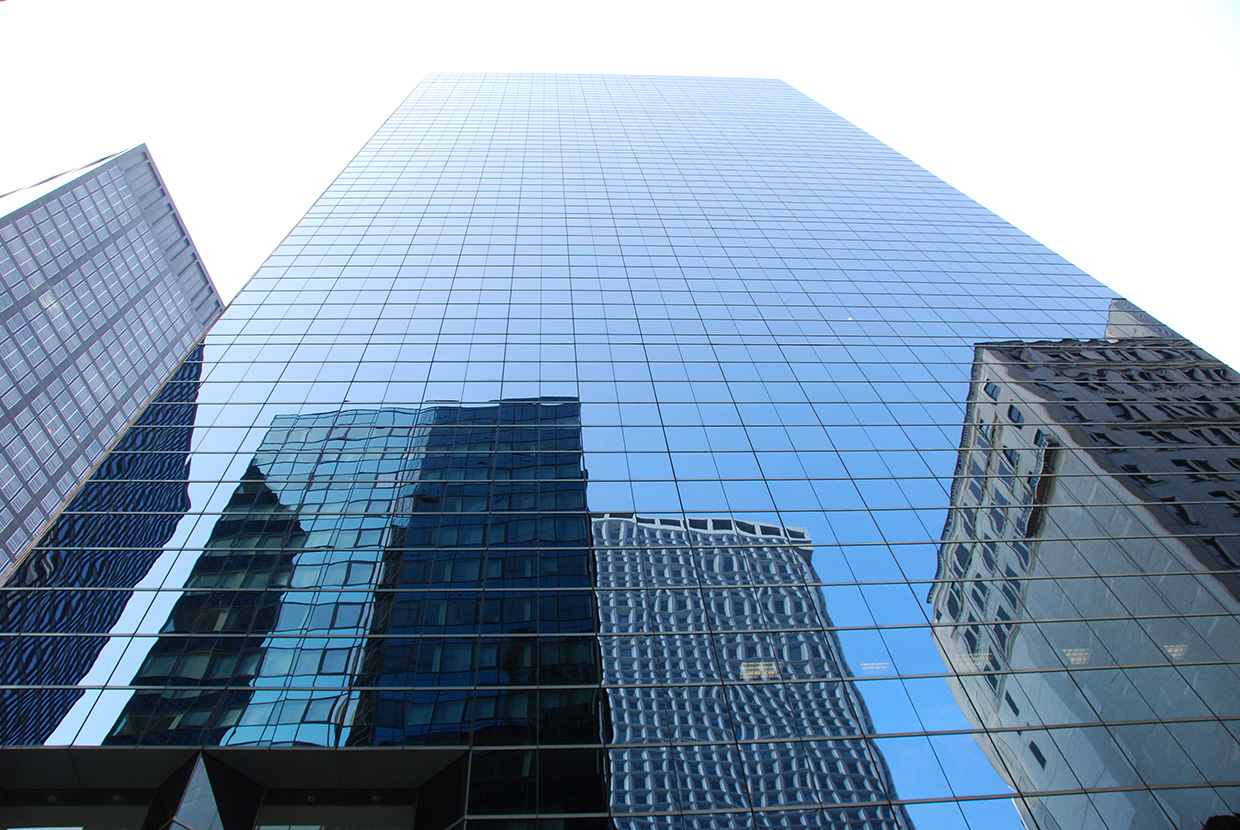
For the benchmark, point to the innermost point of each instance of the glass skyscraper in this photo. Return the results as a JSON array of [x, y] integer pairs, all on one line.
[[645, 452]]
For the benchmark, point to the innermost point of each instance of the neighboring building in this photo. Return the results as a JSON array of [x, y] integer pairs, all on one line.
[[102, 294], [727, 686], [534, 301], [1088, 575]]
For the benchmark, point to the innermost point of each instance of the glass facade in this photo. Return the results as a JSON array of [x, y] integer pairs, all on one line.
[[101, 296], [643, 452]]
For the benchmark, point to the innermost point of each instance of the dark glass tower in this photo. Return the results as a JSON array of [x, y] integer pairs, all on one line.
[[582, 459]]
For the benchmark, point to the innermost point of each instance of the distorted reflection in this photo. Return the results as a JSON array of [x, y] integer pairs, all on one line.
[[427, 577], [1087, 590], [397, 577], [81, 574], [728, 691]]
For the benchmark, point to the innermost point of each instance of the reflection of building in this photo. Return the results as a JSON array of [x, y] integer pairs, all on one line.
[[729, 692], [398, 577], [1125, 320], [101, 293], [220, 627], [762, 311], [1088, 584], [121, 519]]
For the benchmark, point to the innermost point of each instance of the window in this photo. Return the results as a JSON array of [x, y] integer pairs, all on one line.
[[1037, 754]]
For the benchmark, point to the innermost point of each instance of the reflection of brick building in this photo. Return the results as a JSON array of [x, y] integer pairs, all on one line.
[[1080, 460], [712, 634]]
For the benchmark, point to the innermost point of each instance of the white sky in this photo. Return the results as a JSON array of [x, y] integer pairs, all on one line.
[[1108, 130]]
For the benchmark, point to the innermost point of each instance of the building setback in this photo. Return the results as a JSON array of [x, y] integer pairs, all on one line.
[[102, 294], [581, 460]]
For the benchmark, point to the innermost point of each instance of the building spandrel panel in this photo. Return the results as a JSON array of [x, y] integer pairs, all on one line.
[[102, 294], [583, 458]]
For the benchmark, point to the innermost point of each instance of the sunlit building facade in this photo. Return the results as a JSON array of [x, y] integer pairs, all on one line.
[[582, 460], [102, 294]]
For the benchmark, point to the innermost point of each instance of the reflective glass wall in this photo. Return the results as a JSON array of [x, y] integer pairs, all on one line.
[[648, 452]]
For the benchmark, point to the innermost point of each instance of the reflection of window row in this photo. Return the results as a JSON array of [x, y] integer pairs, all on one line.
[[474, 572], [1188, 469], [1082, 659], [443, 617], [845, 400], [1081, 664]]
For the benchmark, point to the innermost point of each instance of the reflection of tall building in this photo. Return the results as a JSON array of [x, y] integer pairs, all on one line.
[[101, 293], [218, 631], [398, 577], [731, 702], [1087, 577], [119, 522]]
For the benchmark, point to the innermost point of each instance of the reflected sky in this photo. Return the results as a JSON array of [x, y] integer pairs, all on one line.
[[758, 314]]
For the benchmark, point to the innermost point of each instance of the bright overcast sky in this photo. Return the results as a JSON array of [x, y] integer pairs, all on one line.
[[1108, 130]]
